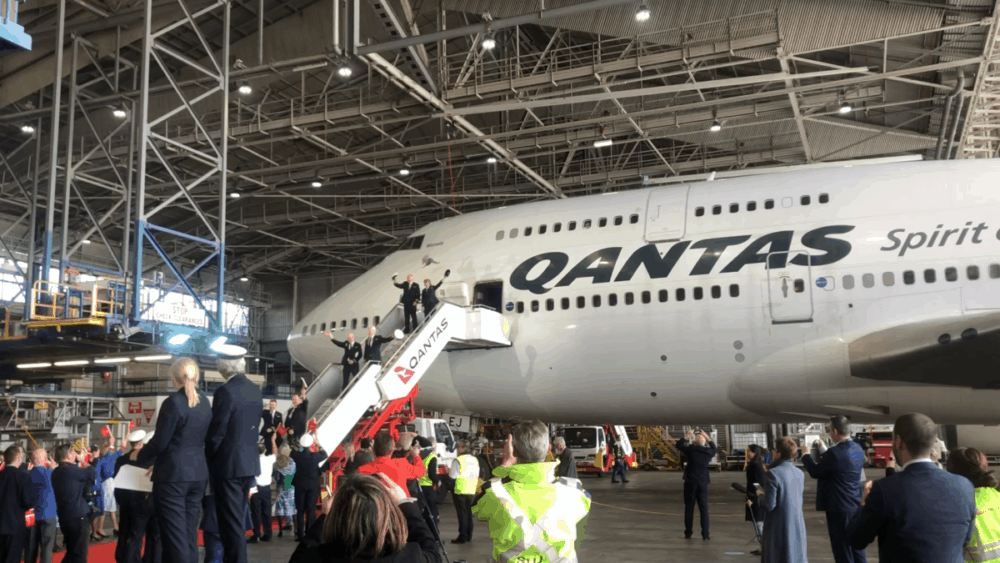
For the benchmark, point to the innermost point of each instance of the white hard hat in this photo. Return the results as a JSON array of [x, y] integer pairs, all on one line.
[[137, 436], [306, 441]]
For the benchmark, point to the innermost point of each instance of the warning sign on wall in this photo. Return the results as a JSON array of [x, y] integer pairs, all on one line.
[[135, 408]]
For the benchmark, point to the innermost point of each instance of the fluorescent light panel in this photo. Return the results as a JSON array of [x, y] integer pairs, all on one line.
[[67, 363], [34, 365], [154, 358], [602, 143], [111, 360]]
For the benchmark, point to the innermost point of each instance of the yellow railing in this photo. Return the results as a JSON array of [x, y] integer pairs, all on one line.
[[53, 301]]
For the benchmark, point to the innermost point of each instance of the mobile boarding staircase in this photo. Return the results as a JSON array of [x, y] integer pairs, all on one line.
[[383, 394]]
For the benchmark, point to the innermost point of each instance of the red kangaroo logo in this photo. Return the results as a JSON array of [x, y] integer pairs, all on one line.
[[404, 374]]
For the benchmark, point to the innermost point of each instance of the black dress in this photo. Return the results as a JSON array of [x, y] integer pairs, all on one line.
[[755, 474]]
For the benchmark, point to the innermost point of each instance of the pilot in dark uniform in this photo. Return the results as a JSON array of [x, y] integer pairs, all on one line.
[[306, 483], [410, 298], [270, 421], [136, 510], [352, 357], [232, 453], [373, 346], [427, 296], [180, 471]]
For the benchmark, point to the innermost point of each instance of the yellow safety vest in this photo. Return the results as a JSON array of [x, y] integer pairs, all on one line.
[[569, 504], [468, 475], [985, 544], [425, 481]]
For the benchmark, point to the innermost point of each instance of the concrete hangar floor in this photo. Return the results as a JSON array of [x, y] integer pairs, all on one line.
[[639, 521]]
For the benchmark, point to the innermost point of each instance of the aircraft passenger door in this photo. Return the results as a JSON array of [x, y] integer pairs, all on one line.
[[789, 289], [666, 213], [489, 294]]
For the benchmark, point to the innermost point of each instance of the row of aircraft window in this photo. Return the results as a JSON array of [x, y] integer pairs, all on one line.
[[768, 204], [571, 226], [930, 276], [646, 297], [343, 325]]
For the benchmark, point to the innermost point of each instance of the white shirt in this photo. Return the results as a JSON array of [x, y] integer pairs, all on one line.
[[916, 460], [454, 473], [266, 467]]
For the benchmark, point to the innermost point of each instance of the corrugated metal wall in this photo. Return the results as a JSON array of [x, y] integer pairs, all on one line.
[[280, 318]]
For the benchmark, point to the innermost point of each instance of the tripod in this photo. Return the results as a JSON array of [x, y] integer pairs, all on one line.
[[431, 522]]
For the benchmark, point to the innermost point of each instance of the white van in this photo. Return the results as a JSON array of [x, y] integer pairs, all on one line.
[[438, 429], [585, 442]]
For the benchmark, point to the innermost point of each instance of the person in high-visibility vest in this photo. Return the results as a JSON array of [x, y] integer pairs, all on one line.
[[532, 518], [971, 464], [429, 482], [465, 472]]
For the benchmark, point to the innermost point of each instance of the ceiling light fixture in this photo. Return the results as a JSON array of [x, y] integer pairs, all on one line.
[[491, 160], [154, 358], [86, 241], [716, 126], [119, 113], [317, 184], [234, 195], [68, 363], [602, 143], [642, 14], [404, 171], [490, 41], [845, 108], [178, 339], [244, 88], [27, 129], [34, 365], [345, 71], [244, 278], [111, 360]]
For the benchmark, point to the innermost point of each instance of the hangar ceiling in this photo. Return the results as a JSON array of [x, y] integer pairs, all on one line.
[[431, 124]]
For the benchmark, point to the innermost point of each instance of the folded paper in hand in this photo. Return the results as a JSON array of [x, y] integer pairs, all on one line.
[[134, 478]]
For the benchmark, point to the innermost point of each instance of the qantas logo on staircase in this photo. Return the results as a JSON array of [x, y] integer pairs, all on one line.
[[404, 374]]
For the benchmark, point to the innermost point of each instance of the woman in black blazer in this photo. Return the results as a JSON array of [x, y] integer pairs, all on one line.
[[180, 472], [755, 476], [370, 520]]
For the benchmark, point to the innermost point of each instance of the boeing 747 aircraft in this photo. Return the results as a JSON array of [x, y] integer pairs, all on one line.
[[870, 291]]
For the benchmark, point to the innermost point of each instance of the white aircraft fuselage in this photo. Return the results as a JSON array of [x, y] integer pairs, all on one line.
[[870, 291]]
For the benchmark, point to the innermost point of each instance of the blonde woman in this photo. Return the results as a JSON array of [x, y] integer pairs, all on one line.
[[180, 472], [284, 509]]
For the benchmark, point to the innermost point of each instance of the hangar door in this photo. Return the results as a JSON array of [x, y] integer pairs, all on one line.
[[789, 288], [666, 212]]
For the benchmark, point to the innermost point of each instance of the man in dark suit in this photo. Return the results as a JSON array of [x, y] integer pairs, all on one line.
[[295, 418], [838, 491], [17, 498], [921, 513], [567, 465], [373, 346], [410, 298], [270, 421], [696, 479], [71, 483], [351, 360], [233, 460], [306, 483], [41, 539]]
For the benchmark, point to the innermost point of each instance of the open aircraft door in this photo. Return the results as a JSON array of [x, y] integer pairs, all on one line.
[[456, 293], [789, 288], [666, 214]]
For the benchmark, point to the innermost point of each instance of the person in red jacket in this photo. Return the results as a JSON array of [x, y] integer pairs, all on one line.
[[400, 470]]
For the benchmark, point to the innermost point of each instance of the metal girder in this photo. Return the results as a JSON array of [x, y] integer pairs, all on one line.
[[794, 100], [421, 94], [483, 27], [413, 57], [980, 136]]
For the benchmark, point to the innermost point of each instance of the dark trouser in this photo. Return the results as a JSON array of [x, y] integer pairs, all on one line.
[[136, 510], [11, 547], [695, 492], [177, 508], [76, 533], [619, 469], [260, 512], [231, 497], [463, 506], [153, 553], [40, 540], [350, 370], [430, 495], [410, 312], [836, 524], [305, 508]]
